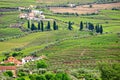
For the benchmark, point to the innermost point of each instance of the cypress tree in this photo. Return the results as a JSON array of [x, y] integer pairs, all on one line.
[[101, 29], [54, 25], [69, 25], [97, 28], [81, 25], [28, 24], [90, 26], [38, 25], [33, 27], [48, 26], [42, 26]]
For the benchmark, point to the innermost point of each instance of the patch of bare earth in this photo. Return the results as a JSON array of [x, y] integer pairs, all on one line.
[[85, 9]]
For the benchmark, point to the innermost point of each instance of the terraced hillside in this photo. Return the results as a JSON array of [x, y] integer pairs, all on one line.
[[66, 50]]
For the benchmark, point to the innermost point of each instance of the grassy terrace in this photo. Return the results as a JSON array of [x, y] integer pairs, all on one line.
[[84, 52], [16, 3]]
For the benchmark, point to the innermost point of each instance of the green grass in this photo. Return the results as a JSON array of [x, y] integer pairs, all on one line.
[[9, 32], [107, 18], [16, 3], [87, 52]]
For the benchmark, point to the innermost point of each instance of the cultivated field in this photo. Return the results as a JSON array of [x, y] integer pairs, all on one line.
[[85, 9]]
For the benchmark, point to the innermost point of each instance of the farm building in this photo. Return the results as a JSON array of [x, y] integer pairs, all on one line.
[[8, 68]]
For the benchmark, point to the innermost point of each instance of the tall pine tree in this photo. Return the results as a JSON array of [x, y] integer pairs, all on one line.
[[28, 24], [54, 25], [69, 25], [101, 29], [81, 26], [33, 27], [48, 26], [38, 25], [97, 28], [42, 26]]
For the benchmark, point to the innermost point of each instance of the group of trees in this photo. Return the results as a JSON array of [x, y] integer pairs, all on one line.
[[41, 27], [90, 26]]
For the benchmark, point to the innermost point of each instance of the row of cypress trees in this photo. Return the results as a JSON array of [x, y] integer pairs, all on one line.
[[90, 26], [41, 27]]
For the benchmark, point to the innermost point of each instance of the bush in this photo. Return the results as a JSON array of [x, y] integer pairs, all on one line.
[[62, 76], [21, 78], [41, 77], [20, 74], [49, 76], [41, 64], [9, 73]]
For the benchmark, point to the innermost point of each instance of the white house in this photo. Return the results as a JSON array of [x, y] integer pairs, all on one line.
[[37, 12], [27, 59], [71, 5]]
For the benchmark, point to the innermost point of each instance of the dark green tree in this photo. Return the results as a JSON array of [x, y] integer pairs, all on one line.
[[69, 25], [33, 27], [48, 26], [28, 24], [90, 26], [54, 25], [38, 25], [101, 29], [9, 73], [97, 28], [42, 26], [81, 25], [49, 76]]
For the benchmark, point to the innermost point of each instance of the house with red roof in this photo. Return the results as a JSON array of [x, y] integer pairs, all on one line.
[[13, 60], [8, 68]]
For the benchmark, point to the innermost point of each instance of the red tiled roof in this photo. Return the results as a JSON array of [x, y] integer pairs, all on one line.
[[28, 58], [7, 67], [13, 60]]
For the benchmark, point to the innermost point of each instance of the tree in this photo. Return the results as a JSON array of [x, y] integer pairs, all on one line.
[[97, 28], [81, 25], [42, 26], [9, 73], [33, 27], [48, 26], [54, 25], [38, 25], [28, 24], [90, 26], [49, 76], [101, 29], [41, 64], [69, 25], [41, 77]]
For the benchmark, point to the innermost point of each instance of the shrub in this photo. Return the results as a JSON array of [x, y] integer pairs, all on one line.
[[62, 76], [41, 64], [9, 73], [21, 78], [41, 77], [49, 76]]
